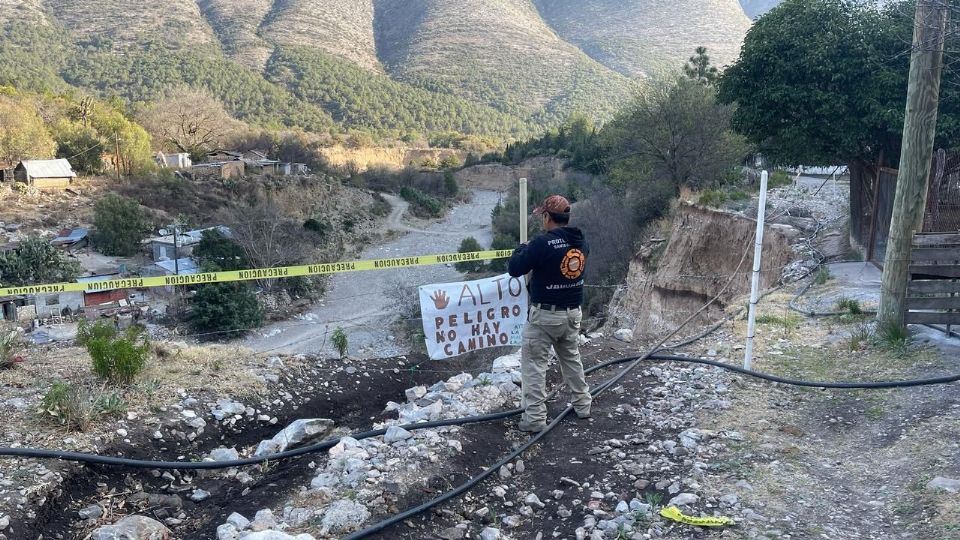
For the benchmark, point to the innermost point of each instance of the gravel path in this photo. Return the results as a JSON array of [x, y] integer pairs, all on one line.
[[363, 303]]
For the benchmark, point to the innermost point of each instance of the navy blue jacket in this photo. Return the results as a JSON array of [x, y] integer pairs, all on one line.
[[558, 261]]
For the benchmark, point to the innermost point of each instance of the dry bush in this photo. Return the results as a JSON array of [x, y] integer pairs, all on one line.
[[11, 342], [70, 405], [612, 234]]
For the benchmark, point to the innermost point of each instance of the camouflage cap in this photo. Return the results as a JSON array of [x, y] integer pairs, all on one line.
[[554, 204]]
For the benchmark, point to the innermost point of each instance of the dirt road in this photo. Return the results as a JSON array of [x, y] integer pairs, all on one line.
[[363, 303]]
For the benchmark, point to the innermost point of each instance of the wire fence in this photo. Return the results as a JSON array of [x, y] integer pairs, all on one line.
[[872, 197]]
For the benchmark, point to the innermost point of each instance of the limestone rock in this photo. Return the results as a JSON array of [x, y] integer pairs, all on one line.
[[946, 484], [294, 434], [683, 499], [510, 362], [343, 516], [132, 528], [395, 434], [224, 454]]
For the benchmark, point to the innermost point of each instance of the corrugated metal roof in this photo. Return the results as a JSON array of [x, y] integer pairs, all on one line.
[[187, 266], [73, 236], [48, 168]]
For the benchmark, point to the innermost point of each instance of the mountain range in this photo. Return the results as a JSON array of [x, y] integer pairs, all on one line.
[[491, 67]]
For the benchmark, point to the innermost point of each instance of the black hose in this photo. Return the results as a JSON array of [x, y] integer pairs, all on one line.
[[329, 443], [793, 382], [208, 465], [473, 481]]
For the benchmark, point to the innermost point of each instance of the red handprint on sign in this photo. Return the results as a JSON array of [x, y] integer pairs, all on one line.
[[440, 299]]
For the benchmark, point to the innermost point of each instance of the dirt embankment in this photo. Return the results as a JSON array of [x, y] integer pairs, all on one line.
[[500, 177], [674, 276], [398, 157]]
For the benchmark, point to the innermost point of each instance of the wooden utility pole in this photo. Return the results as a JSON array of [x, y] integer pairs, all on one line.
[[116, 157], [919, 130]]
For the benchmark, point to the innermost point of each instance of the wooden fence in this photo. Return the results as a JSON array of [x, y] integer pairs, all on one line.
[[933, 293]]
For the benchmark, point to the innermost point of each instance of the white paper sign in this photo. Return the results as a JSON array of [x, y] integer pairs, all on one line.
[[473, 315]]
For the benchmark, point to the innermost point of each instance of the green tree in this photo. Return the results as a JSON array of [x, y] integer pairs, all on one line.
[[217, 253], [35, 261], [120, 225], [469, 245], [840, 93], [677, 133], [698, 68], [23, 134], [450, 185], [226, 309], [116, 130], [80, 145]]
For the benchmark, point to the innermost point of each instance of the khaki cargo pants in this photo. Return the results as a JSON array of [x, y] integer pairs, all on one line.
[[559, 329]]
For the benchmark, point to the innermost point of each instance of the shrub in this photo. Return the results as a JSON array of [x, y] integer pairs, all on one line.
[[849, 305], [500, 242], [450, 162], [779, 179], [894, 336], [421, 204], [10, 344], [823, 275], [218, 253], [120, 225], [468, 245], [117, 356], [225, 309], [70, 405], [450, 184], [36, 261], [339, 340], [713, 197]]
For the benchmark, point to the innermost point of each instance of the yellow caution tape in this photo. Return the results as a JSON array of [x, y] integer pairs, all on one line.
[[674, 513], [279, 272]]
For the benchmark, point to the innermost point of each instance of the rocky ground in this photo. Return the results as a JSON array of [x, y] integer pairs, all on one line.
[[779, 461], [782, 462]]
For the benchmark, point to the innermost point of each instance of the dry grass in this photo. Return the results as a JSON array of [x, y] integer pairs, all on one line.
[[221, 369], [809, 452]]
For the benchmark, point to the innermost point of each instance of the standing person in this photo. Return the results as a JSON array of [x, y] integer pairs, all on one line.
[[556, 260]]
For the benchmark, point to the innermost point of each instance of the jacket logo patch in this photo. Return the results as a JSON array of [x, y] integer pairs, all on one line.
[[573, 263]]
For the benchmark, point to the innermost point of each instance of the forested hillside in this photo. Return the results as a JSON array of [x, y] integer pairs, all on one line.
[[500, 53], [502, 68], [646, 37]]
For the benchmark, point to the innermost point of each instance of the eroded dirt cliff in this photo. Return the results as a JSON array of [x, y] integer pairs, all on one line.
[[674, 276]]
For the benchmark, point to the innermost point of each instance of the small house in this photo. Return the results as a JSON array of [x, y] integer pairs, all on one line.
[[58, 304], [98, 298], [223, 155], [169, 247], [174, 161], [45, 173], [71, 238], [222, 170], [16, 308], [180, 267]]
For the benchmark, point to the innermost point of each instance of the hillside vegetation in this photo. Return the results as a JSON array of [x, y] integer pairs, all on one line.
[[646, 37], [501, 68], [501, 53]]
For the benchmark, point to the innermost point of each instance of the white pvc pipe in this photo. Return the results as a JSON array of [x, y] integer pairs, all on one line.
[[755, 286], [523, 210]]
